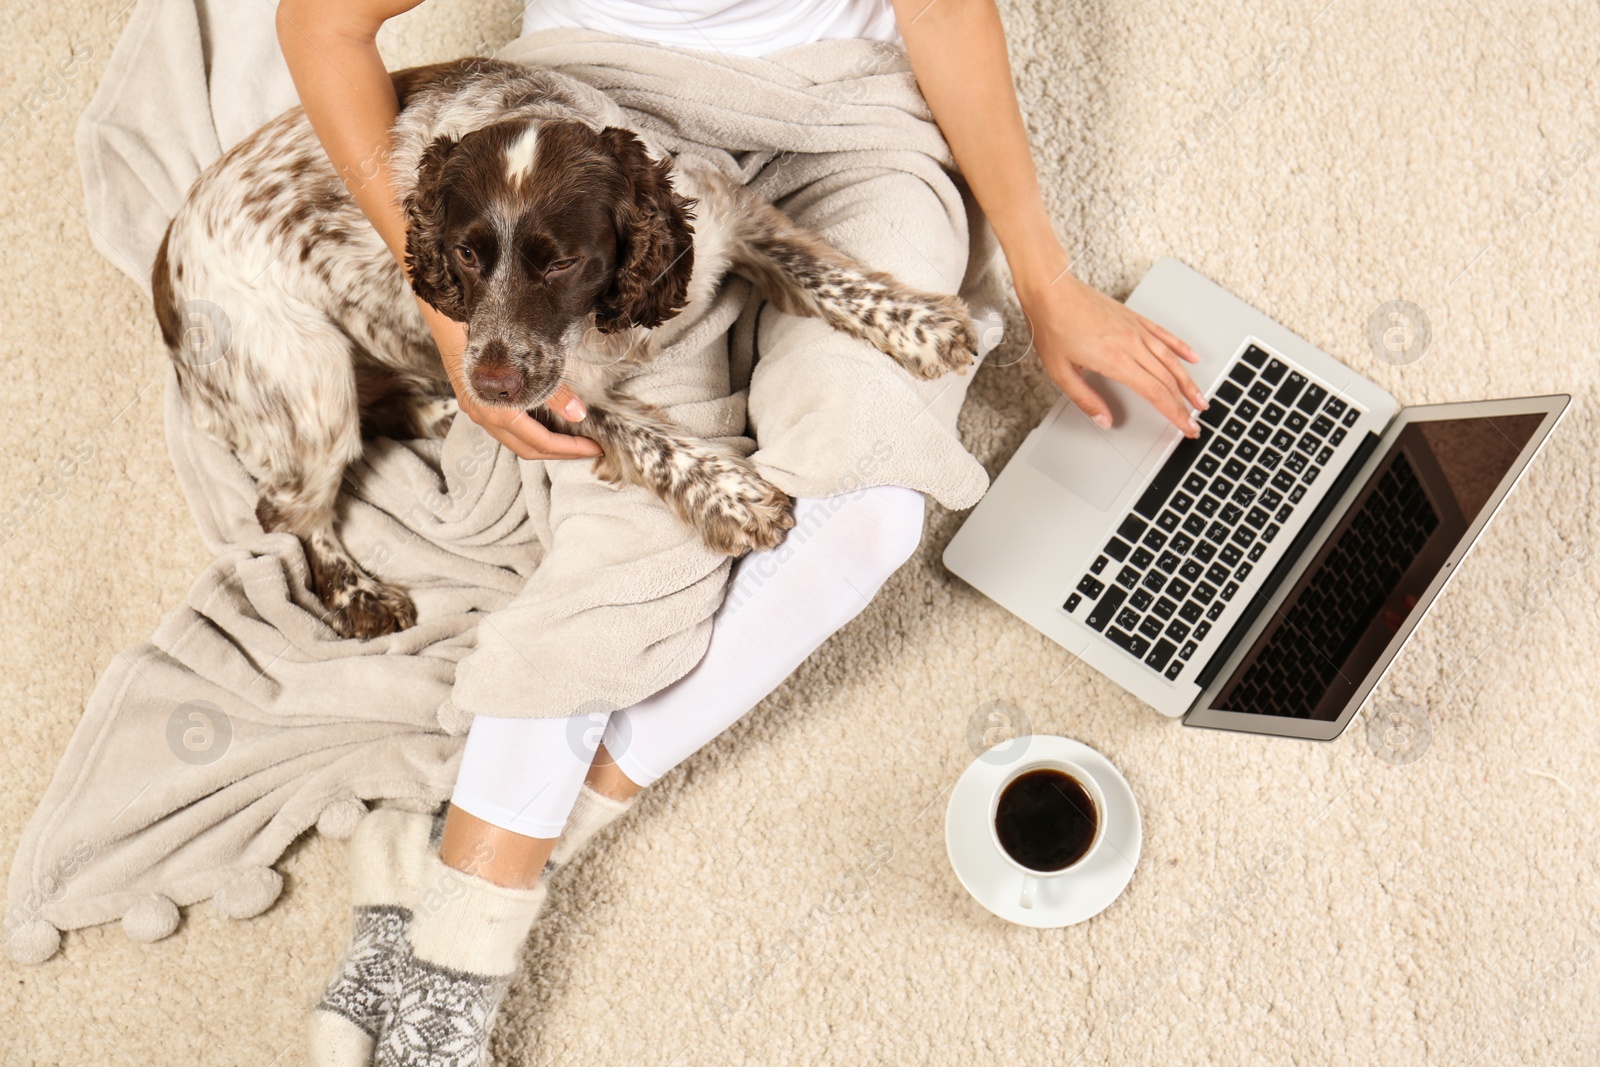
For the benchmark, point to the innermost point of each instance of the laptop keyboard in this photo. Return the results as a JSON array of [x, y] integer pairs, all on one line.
[[1219, 501], [1331, 614]]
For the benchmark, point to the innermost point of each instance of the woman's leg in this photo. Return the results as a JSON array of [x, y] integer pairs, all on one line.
[[476, 894], [781, 605], [516, 786], [520, 779]]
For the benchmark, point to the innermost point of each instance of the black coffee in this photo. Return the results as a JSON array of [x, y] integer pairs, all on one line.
[[1045, 820]]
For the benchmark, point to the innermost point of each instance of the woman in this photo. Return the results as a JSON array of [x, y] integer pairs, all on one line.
[[438, 937]]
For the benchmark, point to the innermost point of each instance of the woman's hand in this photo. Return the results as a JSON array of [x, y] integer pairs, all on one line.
[[517, 430], [1077, 328]]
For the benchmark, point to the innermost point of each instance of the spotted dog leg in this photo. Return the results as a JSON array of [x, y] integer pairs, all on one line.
[[715, 491], [298, 492], [926, 333], [359, 605], [299, 466], [432, 417]]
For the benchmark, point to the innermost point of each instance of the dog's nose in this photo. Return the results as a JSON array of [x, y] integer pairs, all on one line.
[[497, 380]]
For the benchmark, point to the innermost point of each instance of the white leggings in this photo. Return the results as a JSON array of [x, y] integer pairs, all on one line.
[[523, 775]]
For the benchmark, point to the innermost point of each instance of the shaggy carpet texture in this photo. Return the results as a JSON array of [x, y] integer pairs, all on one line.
[[785, 896]]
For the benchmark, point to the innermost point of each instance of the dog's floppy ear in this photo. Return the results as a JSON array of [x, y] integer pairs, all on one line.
[[427, 258], [655, 240]]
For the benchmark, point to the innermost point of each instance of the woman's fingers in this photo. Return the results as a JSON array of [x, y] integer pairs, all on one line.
[[1178, 346], [1086, 400], [1078, 329], [528, 437], [560, 445], [1138, 369], [565, 402], [1169, 404], [521, 448], [1173, 366], [541, 442], [1154, 382]]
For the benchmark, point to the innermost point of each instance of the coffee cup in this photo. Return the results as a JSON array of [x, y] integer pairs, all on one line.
[[1047, 818]]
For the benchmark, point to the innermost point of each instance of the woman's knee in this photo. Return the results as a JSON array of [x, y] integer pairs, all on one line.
[[875, 532], [523, 774]]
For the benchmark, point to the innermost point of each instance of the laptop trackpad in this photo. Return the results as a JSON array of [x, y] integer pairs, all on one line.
[[1091, 463]]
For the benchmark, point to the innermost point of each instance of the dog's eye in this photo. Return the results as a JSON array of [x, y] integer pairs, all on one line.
[[467, 256], [559, 265]]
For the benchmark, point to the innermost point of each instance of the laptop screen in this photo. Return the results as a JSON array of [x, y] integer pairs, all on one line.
[[1350, 604]]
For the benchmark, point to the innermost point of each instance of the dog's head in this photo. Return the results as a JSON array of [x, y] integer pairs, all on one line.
[[531, 232]]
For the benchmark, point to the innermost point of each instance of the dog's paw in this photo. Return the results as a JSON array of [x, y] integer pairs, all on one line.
[[369, 608], [742, 511], [928, 335], [434, 416]]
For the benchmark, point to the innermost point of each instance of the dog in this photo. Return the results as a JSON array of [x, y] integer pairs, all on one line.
[[563, 244]]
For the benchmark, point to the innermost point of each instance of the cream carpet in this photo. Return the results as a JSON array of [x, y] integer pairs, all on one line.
[[785, 898]]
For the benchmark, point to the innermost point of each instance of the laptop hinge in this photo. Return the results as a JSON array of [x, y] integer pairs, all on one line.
[[1297, 550]]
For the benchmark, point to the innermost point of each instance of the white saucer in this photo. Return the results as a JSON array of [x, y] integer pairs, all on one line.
[[994, 883]]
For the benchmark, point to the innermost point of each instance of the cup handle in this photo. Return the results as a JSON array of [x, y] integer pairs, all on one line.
[[1029, 884]]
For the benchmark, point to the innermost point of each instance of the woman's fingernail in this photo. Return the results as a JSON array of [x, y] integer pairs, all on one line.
[[1194, 427], [574, 410], [1201, 403], [1103, 420]]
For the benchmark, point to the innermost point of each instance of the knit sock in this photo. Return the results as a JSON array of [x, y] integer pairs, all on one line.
[[591, 812], [386, 854], [464, 940]]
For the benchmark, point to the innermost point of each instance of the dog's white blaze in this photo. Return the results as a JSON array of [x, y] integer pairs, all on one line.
[[519, 157]]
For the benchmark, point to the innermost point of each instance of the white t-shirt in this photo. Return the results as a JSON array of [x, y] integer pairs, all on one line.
[[740, 27]]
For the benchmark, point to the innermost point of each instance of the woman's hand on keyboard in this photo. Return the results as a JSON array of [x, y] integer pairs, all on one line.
[[1077, 328]]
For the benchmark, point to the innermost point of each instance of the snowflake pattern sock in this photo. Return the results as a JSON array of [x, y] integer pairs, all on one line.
[[591, 812], [464, 940], [386, 854]]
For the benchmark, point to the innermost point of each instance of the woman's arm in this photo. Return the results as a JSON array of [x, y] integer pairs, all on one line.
[[332, 52], [958, 51]]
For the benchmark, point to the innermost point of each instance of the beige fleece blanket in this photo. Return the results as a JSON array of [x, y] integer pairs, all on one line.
[[243, 721]]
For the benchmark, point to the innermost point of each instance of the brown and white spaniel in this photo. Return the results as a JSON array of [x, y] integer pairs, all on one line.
[[560, 241]]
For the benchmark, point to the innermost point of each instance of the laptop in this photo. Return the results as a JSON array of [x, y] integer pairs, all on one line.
[[1262, 577]]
